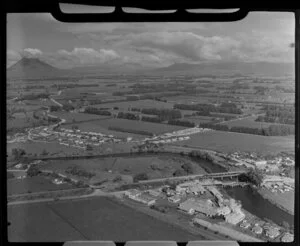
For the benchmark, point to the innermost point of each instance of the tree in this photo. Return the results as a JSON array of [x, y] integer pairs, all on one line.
[[285, 225], [44, 152], [140, 176], [188, 168], [89, 147], [17, 153], [74, 127], [179, 172], [117, 178], [33, 170]]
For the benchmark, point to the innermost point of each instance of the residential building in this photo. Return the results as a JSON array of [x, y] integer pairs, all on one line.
[[224, 210], [245, 224], [235, 218], [287, 238], [146, 199], [155, 193], [193, 205], [257, 229], [174, 199], [272, 232], [133, 193]]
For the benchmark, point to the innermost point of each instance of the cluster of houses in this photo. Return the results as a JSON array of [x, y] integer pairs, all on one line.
[[175, 136], [74, 137], [278, 183], [274, 165]]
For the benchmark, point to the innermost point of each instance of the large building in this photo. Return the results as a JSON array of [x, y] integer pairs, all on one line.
[[193, 205]]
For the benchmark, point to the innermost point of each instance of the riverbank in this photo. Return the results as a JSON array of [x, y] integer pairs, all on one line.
[[284, 201]]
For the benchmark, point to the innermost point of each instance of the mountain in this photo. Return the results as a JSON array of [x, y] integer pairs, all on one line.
[[244, 68], [33, 68]]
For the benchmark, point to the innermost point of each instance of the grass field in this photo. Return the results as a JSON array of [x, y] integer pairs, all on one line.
[[78, 117], [249, 122], [38, 147], [33, 184], [87, 219], [137, 104], [199, 119], [101, 125], [155, 166], [230, 141]]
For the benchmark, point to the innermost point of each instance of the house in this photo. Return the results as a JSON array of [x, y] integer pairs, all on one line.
[[245, 224], [272, 232], [224, 210], [193, 205], [145, 198], [133, 193], [235, 218], [257, 229], [155, 193], [174, 199], [287, 238]]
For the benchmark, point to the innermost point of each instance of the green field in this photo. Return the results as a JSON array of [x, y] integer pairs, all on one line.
[[33, 184], [38, 147], [87, 219], [78, 117], [230, 141], [249, 122], [101, 125], [155, 166], [199, 119], [137, 104]]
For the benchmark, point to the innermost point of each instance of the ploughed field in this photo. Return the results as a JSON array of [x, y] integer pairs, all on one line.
[[87, 219], [230, 141]]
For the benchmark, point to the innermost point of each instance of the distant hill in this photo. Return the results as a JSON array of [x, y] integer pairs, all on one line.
[[33, 68], [259, 68]]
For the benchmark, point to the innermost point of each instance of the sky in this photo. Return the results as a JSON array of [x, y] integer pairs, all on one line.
[[261, 36]]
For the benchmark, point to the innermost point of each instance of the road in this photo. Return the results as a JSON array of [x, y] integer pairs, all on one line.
[[56, 102]]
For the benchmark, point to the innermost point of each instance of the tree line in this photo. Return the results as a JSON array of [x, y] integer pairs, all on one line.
[[272, 130], [206, 109], [91, 110]]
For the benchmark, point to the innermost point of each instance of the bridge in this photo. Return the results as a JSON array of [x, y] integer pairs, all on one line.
[[189, 177]]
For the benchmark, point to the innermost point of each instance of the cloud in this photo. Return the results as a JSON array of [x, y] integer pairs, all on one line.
[[32, 53], [87, 56]]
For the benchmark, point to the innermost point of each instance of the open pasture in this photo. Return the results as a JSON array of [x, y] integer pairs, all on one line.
[[33, 184], [249, 122], [137, 104], [36, 148], [87, 219], [78, 117], [230, 141], [108, 168]]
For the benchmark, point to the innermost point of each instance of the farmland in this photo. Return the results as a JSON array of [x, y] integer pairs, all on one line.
[[36, 148], [248, 122], [229, 141], [33, 184], [155, 128], [137, 104], [87, 219], [78, 117], [108, 168]]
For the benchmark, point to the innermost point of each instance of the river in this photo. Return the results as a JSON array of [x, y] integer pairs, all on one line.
[[253, 202]]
